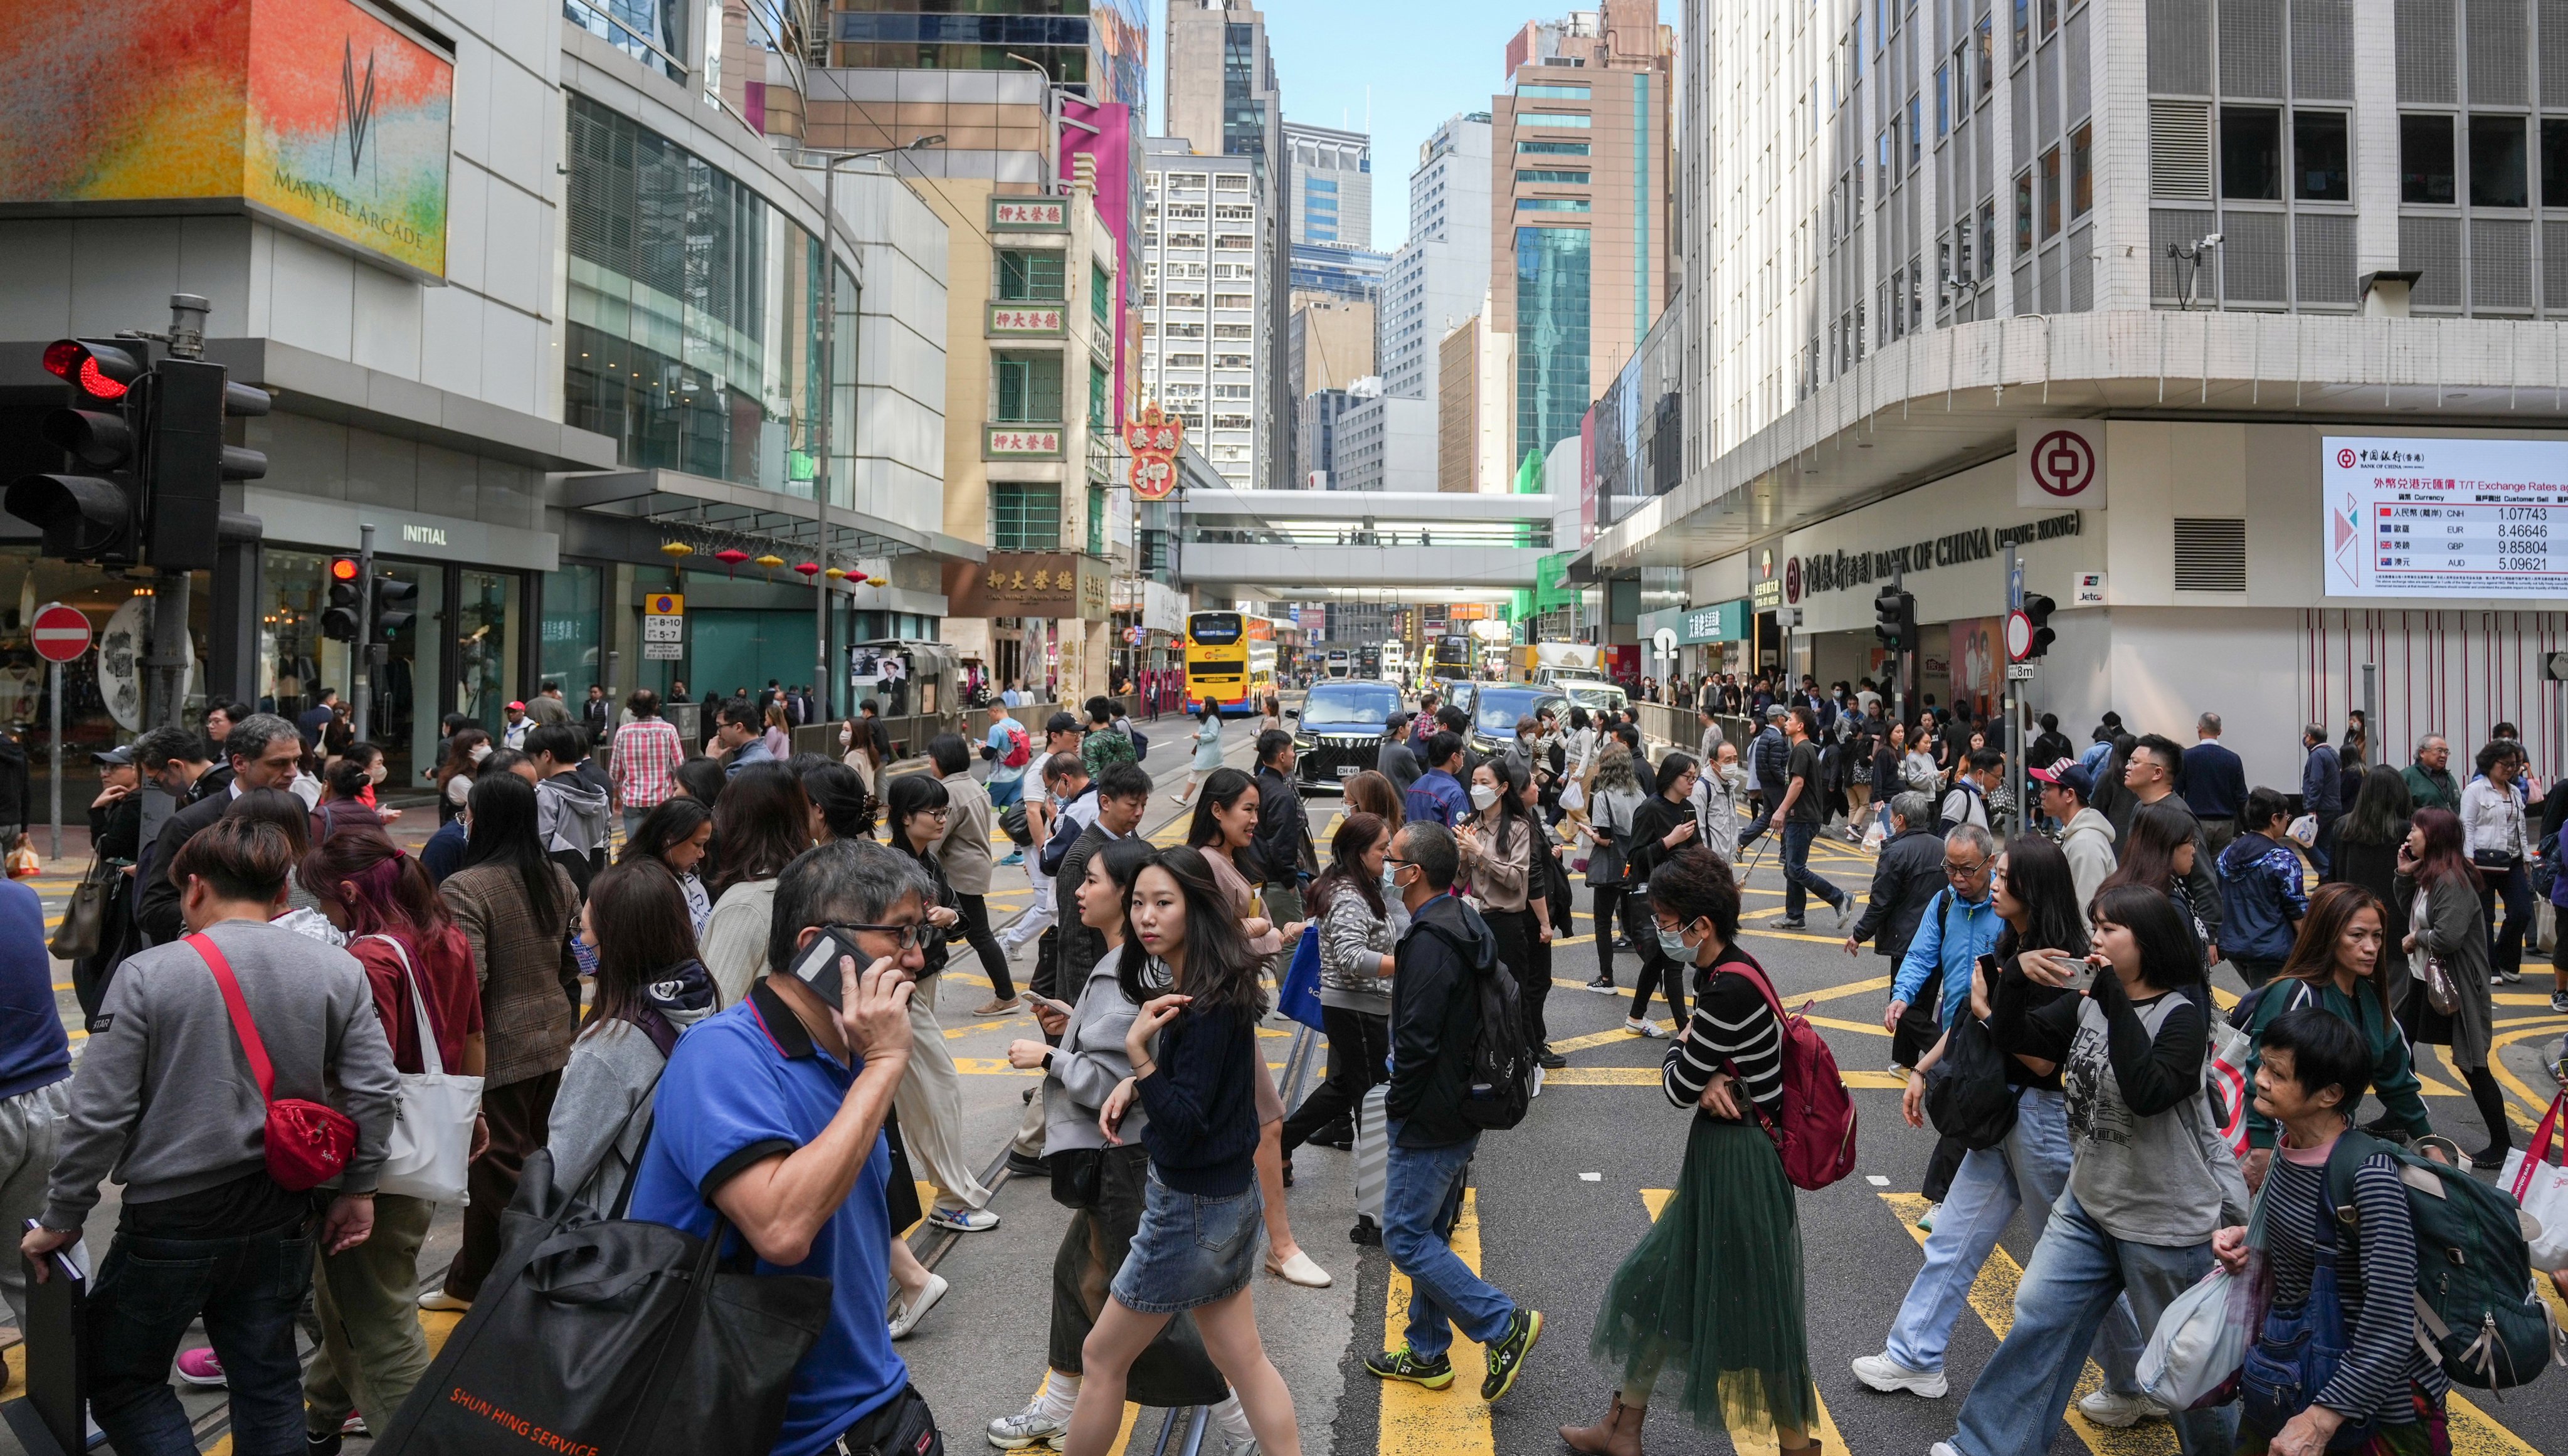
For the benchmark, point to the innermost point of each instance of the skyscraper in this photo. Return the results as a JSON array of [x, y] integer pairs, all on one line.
[[1437, 277], [1579, 195], [1332, 185]]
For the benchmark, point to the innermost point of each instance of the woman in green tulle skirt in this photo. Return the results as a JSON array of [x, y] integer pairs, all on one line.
[[1706, 1314]]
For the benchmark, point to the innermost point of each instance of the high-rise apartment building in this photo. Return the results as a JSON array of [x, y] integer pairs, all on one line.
[[1580, 198], [1205, 304], [1331, 184], [1223, 100]]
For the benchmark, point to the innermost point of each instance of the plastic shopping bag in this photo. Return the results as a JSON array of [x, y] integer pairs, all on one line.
[[2200, 1342], [1299, 995], [1373, 1151], [2541, 1188]]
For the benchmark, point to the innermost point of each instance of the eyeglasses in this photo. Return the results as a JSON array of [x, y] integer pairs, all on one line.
[[904, 937], [1963, 871]]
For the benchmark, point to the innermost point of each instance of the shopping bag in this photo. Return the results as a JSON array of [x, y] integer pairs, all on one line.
[[24, 863], [2229, 1043], [432, 1140], [2540, 1189], [1299, 995], [1373, 1151], [85, 918], [2200, 1342]]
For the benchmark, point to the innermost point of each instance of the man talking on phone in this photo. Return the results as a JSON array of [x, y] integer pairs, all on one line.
[[772, 1111]]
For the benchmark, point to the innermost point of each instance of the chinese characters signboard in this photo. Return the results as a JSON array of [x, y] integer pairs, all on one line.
[[2445, 517], [1029, 215], [1025, 321], [1021, 442], [1031, 584], [1154, 440]]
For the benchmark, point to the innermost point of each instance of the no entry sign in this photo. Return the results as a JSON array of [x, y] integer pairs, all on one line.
[[61, 633]]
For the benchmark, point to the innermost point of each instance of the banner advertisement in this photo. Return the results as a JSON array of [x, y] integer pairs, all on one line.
[[2429, 517]]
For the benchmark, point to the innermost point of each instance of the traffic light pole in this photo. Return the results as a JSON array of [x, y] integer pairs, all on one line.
[[2019, 783], [362, 654]]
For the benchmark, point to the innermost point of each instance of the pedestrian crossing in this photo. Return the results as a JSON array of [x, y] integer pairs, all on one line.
[[1453, 1421]]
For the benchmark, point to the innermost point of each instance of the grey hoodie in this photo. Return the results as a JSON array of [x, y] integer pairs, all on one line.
[[603, 1109], [2087, 841], [570, 816], [1085, 1068]]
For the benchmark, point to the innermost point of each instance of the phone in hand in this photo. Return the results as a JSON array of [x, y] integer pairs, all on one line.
[[818, 965], [1047, 1003]]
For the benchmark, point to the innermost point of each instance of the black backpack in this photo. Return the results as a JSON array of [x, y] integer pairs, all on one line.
[[1501, 1085]]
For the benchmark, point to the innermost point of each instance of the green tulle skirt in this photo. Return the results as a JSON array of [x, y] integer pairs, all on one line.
[[1705, 1314]]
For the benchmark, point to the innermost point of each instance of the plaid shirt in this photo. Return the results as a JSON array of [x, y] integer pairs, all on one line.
[[646, 758]]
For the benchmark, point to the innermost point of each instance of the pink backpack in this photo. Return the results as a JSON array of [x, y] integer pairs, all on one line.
[[1815, 1133]]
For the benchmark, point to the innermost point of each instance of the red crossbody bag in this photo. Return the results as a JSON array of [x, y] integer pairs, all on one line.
[[307, 1143]]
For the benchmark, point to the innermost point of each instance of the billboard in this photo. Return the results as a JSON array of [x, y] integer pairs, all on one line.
[[2420, 517], [318, 115]]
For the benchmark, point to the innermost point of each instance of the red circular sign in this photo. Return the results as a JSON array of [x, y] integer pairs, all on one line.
[[2018, 636], [1792, 580], [2345, 459], [2064, 463], [61, 633]]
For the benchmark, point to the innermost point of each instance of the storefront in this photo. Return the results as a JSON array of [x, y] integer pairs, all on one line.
[[1712, 639]]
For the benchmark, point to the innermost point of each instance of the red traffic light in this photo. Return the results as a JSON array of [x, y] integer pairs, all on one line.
[[343, 568], [101, 372]]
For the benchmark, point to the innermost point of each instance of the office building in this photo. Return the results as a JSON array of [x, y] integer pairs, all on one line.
[[1435, 279], [1331, 186], [1583, 247], [1385, 442], [1204, 343]]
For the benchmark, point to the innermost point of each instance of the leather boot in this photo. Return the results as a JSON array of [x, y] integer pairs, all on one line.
[[1618, 1434]]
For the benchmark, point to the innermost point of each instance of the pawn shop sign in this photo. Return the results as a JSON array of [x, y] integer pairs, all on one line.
[[1154, 432], [61, 633]]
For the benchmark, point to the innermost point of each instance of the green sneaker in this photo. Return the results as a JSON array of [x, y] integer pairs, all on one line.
[[1507, 1356], [1400, 1365]]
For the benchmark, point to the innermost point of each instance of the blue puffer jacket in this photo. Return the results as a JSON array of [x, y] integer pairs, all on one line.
[[2260, 898]]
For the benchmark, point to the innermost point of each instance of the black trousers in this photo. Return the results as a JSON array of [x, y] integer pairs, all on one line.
[[1047, 978], [1358, 1046], [1657, 971], [1515, 930], [1608, 897], [976, 929]]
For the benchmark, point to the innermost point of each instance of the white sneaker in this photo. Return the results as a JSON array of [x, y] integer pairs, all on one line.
[[964, 1220], [1883, 1373], [1942, 1448], [1926, 1220], [439, 1299], [2112, 1408], [906, 1313], [1028, 1427], [1644, 1029]]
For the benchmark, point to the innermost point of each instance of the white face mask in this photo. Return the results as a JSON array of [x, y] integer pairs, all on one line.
[[1483, 795], [376, 773], [481, 751], [846, 738]]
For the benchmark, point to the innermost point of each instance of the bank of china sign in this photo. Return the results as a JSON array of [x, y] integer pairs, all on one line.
[[319, 116]]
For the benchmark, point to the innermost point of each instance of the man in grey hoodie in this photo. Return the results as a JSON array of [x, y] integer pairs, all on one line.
[[163, 1102], [2086, 836], [570, 812]]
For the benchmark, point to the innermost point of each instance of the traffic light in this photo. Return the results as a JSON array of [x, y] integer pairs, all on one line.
[[186, 461], [91, 518], [1895, 619], [338, 619], [396, 604], [2037, 609]]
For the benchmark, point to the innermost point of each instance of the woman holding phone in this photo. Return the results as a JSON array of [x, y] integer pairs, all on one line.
[[1104, 1183], [1193, 1049]]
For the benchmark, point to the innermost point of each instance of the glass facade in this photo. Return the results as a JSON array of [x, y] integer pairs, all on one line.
[[695, 314], [1098, 48], [571, 642], [1551, 335], [296, 662], [96, 706], [652, 32], [487, 660]]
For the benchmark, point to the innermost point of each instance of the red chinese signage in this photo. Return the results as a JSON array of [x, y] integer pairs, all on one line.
[[1155, 439]]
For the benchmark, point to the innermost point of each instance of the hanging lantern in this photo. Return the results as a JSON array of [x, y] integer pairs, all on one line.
[[834, 574], [809, 569], [731, 557], [677, 552], [877, 581], [767, 564]]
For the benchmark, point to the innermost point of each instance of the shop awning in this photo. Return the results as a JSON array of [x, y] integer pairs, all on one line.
[[675, 499]]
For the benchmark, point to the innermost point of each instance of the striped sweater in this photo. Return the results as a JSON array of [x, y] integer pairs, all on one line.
[[2382, 1360], [1733, 1029]]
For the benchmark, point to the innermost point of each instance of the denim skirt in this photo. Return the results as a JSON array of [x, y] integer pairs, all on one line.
[[1191, 1248]]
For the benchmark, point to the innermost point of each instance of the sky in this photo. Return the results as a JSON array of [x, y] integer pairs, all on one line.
[[1412, 64]]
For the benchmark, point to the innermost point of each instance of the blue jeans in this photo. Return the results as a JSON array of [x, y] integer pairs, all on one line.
[[1006, 791], [1420, 1202], [247, 1290], [2027, 1170], [1799, 881], [2077, 1269]]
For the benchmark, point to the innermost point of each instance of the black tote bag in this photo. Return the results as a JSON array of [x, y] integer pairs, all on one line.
[[613, 1336], [1967, 1097]]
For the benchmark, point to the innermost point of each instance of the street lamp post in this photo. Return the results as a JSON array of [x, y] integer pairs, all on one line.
[[822, 675]]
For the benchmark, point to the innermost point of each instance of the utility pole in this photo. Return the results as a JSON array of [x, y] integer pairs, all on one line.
[[361, 690], [2017, 674]]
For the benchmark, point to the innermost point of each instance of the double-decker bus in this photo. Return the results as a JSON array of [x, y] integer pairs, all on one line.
[[1452, 656], [1395, 663], [1230, 658]]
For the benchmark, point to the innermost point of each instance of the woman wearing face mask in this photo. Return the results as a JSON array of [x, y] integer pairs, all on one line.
[[1079, 1075], [1662, 826], [1706, 1310], [1194, 1051], [349, 790], [857, 750], [676, 833], [1889, 751], [1717, 793], [1611, 803], [1354, 916], [1225, 818], [463, 755], [1498, 848]]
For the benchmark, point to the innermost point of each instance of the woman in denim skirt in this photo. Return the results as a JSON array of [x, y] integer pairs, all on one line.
[[1193, 1049]]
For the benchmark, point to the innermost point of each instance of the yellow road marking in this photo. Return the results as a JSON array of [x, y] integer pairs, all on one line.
[[1757, 1443], [1453, 1421], [1648, 1077]]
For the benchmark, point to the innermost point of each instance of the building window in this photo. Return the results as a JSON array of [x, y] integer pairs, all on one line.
[[2497, 163], [1101, 398], [1943, 100], [2081, 171], [1989, 238], [2251, 154], [2426, 159], [1555, 149], [1552, 119], [1029, 388], [1551, 204], [1096, 520], [1030, 276], [2051, 195], [1916, 132], [1024, 517], [1551, 335], [1100, 296], [2023, 23], [1535, 176], [2319, 170], [2024, 215], [2554, 163], [1558, 93]]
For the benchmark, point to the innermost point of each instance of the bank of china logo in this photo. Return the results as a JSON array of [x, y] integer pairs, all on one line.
[[358, 97], [2064, 463], [2345, 459]]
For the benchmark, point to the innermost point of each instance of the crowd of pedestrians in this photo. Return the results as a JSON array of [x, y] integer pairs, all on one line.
[[734, 1026]]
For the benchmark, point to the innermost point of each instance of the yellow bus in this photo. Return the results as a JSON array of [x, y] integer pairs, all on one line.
[[1230, 658]]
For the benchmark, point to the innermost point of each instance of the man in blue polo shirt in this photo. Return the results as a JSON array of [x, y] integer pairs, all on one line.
[[774, 1110]]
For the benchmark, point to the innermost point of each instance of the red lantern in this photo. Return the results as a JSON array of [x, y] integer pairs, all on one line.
[[731, 557], [810, 569]]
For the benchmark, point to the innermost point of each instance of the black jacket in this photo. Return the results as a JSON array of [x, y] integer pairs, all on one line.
[[1904, 881], [1080, 946], [1435, 1016], [1652, 823], [1283, 831], [1400, 765], [156, 911]]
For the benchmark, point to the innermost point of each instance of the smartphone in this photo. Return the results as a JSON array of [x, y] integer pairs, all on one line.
[[1045, 1002], [818, 966]]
